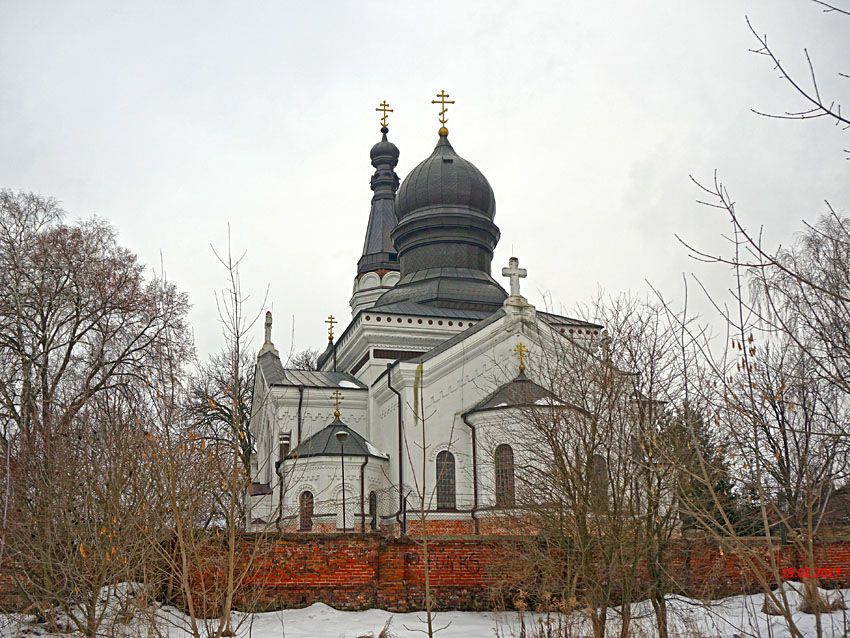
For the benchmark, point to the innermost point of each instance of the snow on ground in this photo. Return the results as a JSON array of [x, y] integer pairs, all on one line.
[[738, 616]]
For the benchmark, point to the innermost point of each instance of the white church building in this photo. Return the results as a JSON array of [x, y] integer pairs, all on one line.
[[404, 410]]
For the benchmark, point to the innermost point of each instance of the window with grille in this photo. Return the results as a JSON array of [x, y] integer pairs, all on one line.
[[504, 461], [598, 483], [446, 481], [305, 511]]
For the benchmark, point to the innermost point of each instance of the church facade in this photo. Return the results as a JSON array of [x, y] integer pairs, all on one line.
[[403, 422]]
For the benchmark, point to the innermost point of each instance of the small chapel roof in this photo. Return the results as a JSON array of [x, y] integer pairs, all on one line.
[[325, 443], [276, 374], [519, 392]]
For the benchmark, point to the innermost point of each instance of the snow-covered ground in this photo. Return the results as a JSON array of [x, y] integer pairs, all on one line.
[[738, 616]]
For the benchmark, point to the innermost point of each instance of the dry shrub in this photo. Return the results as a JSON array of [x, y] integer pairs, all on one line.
[[815, 602], [769, 608], [384, 633]]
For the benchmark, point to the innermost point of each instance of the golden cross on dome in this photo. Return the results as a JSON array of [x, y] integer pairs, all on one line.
[[384, 108], [521, 351], [442, 101], [337, 397], [331, 321]]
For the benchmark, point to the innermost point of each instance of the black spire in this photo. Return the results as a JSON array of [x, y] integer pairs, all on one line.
[[378, 250]]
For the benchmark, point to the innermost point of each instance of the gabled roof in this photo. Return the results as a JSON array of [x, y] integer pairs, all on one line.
[[461, 336], [325, 443], [519, 392], [560, 320], [276, 374]]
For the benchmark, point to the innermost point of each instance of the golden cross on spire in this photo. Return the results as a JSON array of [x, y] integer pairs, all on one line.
[[331, 321], [337, 397], [384, 108], [442, 101], [521, 351]]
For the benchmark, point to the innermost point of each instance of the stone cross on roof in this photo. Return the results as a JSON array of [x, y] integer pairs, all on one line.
[[515, 273]]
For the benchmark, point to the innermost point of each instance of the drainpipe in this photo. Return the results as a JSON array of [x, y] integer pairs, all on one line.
[[278, 467], [474, 474], [402, 522], [362, 511], [300, 401]]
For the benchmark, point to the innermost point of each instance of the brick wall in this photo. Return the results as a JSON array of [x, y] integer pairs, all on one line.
[[357, 571], [360, 571]]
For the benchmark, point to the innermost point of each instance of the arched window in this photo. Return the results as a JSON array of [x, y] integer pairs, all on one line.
[[599, 483], [504, 462], [305, 511], [446, 481], [373, 511]]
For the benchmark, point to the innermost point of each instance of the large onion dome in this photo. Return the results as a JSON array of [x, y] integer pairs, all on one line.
[[445, 179], [445, 235]]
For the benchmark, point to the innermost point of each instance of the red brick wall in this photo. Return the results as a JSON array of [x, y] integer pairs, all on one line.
[[354, 571], [440, 528], [357, 571]]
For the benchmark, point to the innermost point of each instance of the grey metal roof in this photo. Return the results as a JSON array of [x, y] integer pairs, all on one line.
[[325, 443], [271, 367], [445, 235], [318, 379], [560, 320], [445, 179], [329, 349], [449, 287], [378, 249], [521, 391], [461, 336], [275, 374]]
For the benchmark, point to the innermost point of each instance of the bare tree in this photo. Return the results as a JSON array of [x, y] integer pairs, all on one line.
[[211, 399], [306, 359], [591, 476], [815, 104], [80, 329]]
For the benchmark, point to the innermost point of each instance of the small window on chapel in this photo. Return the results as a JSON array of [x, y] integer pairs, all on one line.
[[305, 511], [446, 481], [284, 446], [504, 462]]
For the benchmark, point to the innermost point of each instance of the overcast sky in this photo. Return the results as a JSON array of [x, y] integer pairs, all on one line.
[[172, 120]]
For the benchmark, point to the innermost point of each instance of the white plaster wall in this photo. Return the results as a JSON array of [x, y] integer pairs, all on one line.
[[453, 383], [322, 476]]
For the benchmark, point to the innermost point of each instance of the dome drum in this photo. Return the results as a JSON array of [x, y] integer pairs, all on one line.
[[446, 239]]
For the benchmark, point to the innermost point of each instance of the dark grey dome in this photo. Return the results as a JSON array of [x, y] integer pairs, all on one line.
[[446, 180], [384, 152], [445, 235]]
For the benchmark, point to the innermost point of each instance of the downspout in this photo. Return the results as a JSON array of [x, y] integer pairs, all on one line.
[[278, 467], [362, 511], [300, 401], [402, 522], [474, 474]]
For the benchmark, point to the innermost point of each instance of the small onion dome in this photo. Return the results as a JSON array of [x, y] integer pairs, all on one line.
[[384, 152], [445, 180]]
